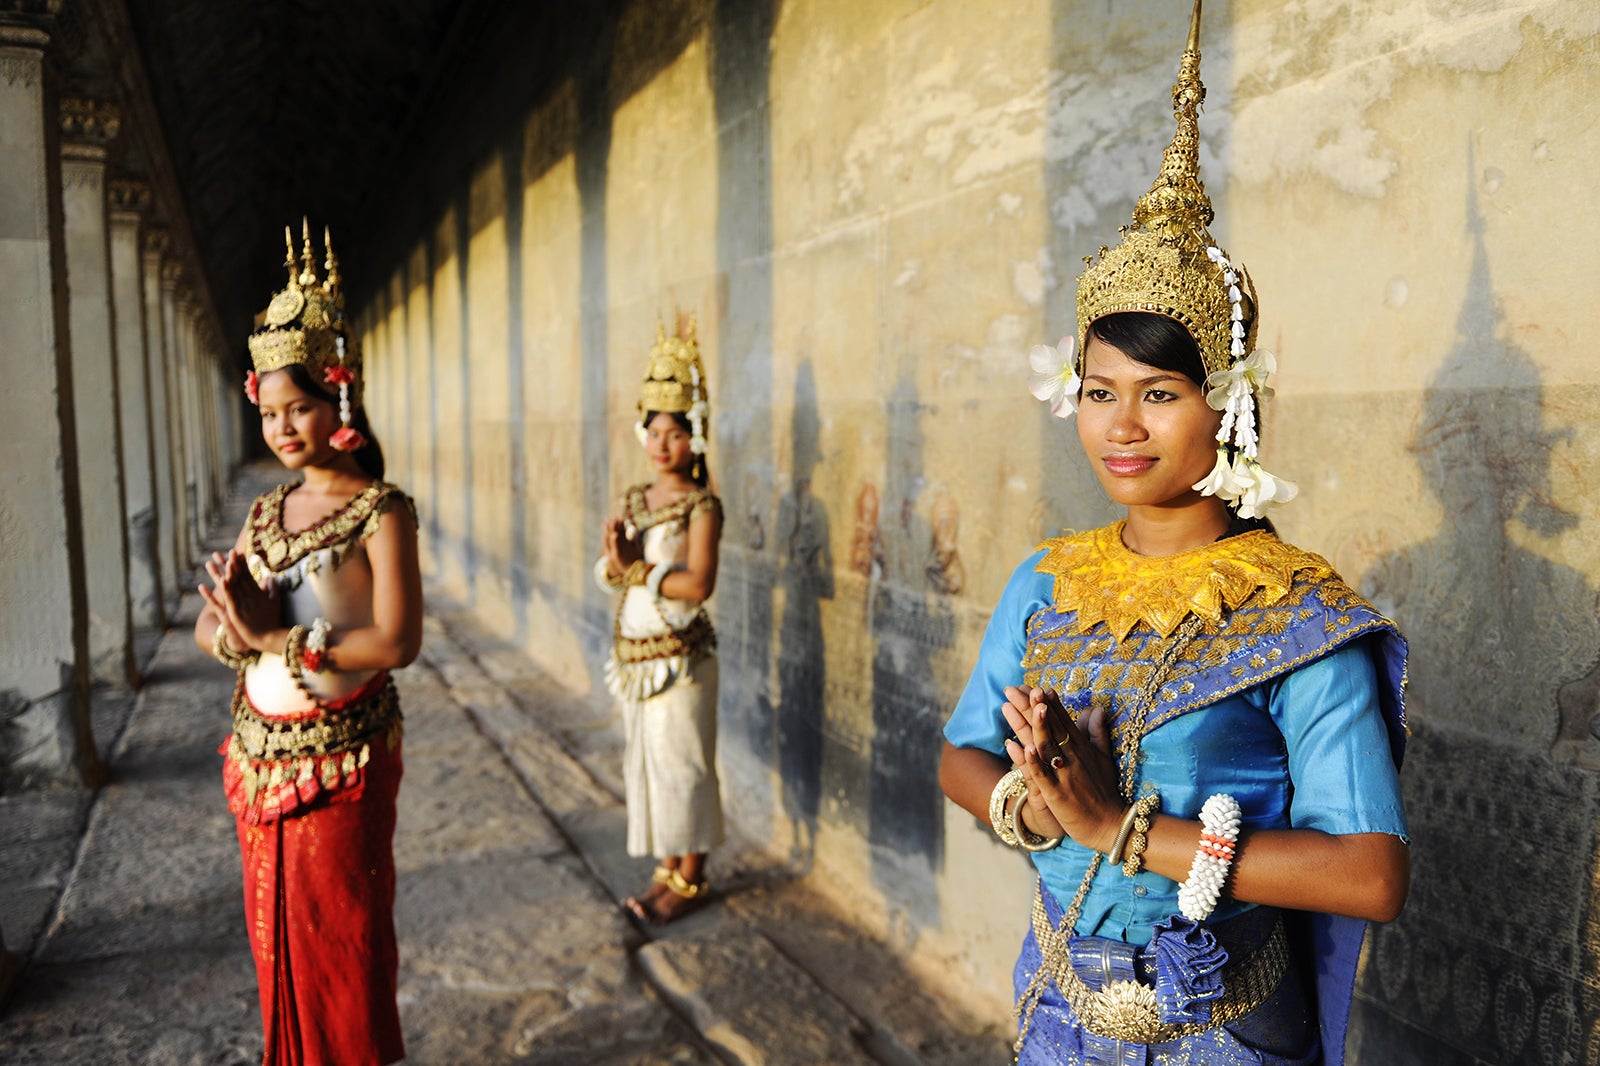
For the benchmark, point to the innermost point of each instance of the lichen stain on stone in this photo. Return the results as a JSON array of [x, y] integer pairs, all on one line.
[[1311, 72]]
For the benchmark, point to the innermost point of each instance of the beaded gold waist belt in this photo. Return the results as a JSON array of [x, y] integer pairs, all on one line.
[[1128, 1010], [696, 638], [270, 739]]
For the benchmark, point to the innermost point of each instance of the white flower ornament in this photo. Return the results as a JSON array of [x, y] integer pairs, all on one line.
[[1261, 489], [1238, 392], [1055, 377]]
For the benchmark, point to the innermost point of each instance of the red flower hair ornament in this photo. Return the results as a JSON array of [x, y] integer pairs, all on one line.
[[251, 382], [347, 439]]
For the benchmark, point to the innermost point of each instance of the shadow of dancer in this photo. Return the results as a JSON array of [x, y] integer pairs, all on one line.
[[1504, 644], [806, 578]]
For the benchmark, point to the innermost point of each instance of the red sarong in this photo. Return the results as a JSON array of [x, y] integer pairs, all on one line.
[[319, 906]]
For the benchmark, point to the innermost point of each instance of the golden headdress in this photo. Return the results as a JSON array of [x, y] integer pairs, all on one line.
[[1169, 264], [1168, 261], [674, 378], [675, 381], [305, 325]]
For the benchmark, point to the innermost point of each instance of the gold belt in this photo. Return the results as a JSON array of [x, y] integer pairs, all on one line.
[[1128, 1010], [263, 739], [696, 638]]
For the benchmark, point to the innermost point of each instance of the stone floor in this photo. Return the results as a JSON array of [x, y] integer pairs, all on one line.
[[127, 903]]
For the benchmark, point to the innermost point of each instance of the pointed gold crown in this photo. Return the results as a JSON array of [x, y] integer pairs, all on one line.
[[674, 378], [1162, 265], [305, 320]]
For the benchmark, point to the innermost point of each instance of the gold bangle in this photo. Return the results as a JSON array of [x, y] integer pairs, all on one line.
[[1114, 856], [637, 571], [1027, 839], [1009, 785], [225, 653], [1142, 812]]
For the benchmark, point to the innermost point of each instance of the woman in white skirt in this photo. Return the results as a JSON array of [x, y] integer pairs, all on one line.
[[661, 556]]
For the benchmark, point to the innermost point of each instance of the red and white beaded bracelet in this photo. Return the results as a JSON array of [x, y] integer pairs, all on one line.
[[1198, 896]]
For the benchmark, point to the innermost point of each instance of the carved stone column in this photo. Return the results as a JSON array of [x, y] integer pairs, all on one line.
[[177, 415], [161, 446], [194, 438], [88, 128], [129, 200], [44, 678]]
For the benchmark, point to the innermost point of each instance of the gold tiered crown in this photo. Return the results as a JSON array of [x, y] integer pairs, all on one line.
[[674, 379], [305, 320], [1162, 265]]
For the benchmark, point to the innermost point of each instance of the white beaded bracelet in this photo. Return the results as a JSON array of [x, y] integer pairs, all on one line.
[[1198, 896], [602, 577]]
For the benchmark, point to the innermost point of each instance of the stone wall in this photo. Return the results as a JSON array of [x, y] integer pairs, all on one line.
[[874, 210]]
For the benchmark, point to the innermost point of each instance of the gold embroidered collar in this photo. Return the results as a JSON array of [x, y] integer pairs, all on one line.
[[280, 549], [1100, 578], [639, 513]]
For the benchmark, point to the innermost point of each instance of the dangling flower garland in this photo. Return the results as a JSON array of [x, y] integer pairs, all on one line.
[[1237, 392], [346, 438]]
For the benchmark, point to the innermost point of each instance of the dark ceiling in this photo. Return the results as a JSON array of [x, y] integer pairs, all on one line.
[[271, 111], [357, 114]]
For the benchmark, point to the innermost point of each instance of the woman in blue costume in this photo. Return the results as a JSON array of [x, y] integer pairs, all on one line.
[[1193, 727]]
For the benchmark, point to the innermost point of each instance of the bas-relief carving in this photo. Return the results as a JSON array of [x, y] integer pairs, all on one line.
[[19, 69], [128, 194], [866, 545], [946, 574], [755, 533]]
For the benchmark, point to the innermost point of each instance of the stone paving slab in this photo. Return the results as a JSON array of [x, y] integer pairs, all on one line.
[[751, 1002]]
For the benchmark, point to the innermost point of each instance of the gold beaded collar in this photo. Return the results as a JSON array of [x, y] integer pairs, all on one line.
[[1102, 580]]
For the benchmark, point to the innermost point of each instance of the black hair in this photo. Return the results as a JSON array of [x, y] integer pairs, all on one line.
[[697, 470], [1154, 340], [1164, 343], [369, 457]]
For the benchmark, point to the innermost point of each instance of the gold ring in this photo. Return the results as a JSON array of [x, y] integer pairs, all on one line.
[[1065, 742]]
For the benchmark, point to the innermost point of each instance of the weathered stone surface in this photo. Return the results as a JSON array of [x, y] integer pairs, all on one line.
[[752, 1003], [456, 810], [906, 1023], [197, 1005]]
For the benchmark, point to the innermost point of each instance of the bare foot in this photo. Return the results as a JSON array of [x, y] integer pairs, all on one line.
[[670, 906], [679, 897]]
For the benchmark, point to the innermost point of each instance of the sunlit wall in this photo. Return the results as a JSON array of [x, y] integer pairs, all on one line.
[[874, 210]]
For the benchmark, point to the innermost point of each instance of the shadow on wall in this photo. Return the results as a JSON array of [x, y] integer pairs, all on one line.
[[740, 58], [912, 624], [805, 576], [1491, 953]]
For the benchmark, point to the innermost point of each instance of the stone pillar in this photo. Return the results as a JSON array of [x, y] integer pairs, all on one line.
[[219, 466], [87, 129], [44, 677], [178, 444], [129, 199], [155, 337], [194, 437]]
